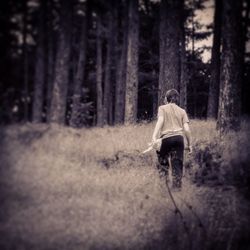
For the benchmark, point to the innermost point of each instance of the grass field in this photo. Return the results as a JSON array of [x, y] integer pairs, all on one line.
[[63, 188]]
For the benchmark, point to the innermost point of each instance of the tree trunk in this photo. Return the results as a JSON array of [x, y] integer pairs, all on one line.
[[114, 59], [80, 70], [131, 95], [121, 72], [183, 59], [193, 29], [99, 89], [245, 84], [169, 75], [246, 20], [195, 99], [59, 95], [39, 79], [155, 93], [231, 69], [25, 63], [213, 97], [50, 58], [184, 75], [107, 100]]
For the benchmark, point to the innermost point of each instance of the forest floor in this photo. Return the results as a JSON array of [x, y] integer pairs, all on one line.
[[64, 188]]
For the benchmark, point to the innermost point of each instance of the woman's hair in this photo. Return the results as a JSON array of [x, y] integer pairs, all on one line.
[[172, 96]]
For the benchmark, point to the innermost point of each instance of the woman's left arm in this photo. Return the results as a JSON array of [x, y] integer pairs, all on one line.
[[158, 127]]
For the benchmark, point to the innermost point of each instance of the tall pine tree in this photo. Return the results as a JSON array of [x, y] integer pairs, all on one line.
[[80, 69], [121, 69], [169, 75], [213, 97], [60, 88], [99, 69], [231, 68], [131, 96], [39, 78]]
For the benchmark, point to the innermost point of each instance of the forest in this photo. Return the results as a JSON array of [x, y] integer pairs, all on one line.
[[80, 86], [88, 63]]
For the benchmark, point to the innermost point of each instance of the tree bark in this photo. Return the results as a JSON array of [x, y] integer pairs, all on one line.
[[50, 58], [231, 69], [245, 84], [193, 29], [121, 71], [131, 96], [107, 100], [59, 98], [39, 79], [99, 89], [213, 97], [183, 60], [246, 24], [25, 63], [80, 70], [169, 75], [114, 59]]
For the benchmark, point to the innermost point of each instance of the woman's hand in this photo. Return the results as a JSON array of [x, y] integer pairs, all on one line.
[[153, 140], [190, 149]]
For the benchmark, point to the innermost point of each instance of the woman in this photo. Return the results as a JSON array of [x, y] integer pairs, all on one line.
[[171, 127]]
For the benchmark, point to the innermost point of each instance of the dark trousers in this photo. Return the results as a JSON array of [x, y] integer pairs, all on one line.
[[173, 147]]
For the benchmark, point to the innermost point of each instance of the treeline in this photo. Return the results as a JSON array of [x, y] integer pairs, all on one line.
[[97, 62]]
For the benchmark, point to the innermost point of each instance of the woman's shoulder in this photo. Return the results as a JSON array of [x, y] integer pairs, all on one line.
[[163, 106], [180, 110], [176, 107]]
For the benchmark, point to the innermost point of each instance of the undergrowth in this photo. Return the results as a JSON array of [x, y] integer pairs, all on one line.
[[222, 160], [64, 188]]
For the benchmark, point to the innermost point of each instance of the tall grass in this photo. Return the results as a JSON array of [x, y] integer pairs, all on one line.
[[63, 188]]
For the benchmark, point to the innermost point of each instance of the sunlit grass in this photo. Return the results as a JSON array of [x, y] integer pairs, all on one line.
[[92, 189]]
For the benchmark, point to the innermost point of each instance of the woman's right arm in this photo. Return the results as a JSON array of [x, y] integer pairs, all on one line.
[[157, 129]]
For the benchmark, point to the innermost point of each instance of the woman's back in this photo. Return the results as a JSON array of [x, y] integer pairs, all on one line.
[[174, 118]]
